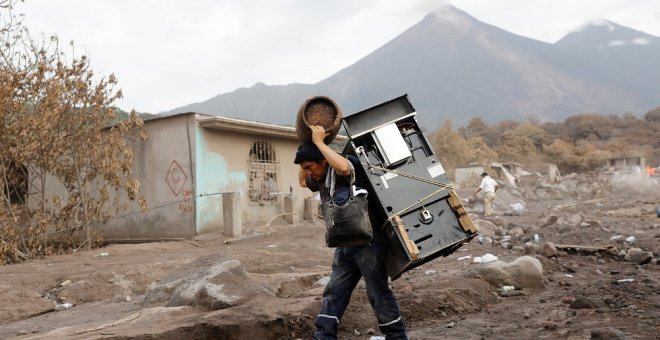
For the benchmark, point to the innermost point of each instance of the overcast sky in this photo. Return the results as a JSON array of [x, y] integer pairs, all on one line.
[[168, 53]]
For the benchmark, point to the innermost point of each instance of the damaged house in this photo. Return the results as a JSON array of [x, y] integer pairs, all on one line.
[[190, 161]]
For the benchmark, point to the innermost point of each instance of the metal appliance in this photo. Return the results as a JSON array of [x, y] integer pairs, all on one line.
[[410, 194]]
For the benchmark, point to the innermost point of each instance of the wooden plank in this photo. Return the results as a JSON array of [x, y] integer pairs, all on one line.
[[575, 246], [413, 251], [463, 217]]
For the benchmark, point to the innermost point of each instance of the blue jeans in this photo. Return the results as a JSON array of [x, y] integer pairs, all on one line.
[[348, 266]]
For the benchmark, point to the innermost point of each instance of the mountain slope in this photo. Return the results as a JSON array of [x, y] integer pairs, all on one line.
[[456, 67], [629, 57]]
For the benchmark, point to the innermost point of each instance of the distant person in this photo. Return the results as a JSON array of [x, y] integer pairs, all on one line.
[[650, 171], [349, 263], [488, 186]]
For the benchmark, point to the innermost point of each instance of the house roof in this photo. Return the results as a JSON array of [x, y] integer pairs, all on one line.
[[238, 125]]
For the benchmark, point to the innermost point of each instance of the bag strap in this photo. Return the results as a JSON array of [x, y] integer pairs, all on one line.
[[332, 179]]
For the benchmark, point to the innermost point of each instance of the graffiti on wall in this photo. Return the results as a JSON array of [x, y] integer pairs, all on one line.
[[176, 179], [187, 204]]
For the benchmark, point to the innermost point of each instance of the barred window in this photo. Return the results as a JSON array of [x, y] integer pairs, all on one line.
[[263, 167]]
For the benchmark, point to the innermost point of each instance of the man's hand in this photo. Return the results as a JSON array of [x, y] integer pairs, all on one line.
[[318, 134]]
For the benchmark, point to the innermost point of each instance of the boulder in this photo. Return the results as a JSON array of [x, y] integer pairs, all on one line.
[[487, 228], [548, 250], [214, 283], [639, 256], [523, 272]]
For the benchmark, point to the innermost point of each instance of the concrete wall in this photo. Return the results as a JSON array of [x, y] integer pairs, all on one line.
[[165, 166], [468, 177], [222, 166]]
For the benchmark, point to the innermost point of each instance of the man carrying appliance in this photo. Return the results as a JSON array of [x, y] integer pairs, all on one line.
[[349, 263]]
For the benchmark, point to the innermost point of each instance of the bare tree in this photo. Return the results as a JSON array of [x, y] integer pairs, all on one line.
[[65, 159]]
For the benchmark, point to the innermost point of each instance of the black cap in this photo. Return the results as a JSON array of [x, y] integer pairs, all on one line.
[[308, 152]]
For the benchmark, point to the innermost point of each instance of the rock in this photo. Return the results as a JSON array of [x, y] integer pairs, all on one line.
[[523, 272], [584, 303], [639, 256], [549, 325], [518, 249], [321, 282], [608, 333], [594, 223], [549, 219], [574, 219], [487, 228], [548, 250], [516, 231], [212, 281], [531, 248]]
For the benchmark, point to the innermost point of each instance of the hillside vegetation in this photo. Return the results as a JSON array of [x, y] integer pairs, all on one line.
[[578, 144]]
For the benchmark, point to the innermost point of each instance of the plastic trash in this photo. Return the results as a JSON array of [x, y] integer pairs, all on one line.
[[625, 280], [102, 255], [377, 337], [536, 238], [63, 306], [517, 208], [507, 288], [485, 259], [464, 257], [630, 239]]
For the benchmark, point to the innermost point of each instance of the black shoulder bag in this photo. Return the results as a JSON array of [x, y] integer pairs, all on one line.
[[346, 225]]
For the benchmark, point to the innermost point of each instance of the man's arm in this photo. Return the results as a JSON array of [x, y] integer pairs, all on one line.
[[335, 160]]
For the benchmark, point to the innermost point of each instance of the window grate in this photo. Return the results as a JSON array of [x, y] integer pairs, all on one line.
[[263, 168]]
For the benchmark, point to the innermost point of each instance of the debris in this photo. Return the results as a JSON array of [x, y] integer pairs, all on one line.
[[429, 272], [580, 247], [464, 257], [507, 288], [630, 239], [485, 259], [63, 306], [101, 255], [118, 322], [517, 208], [625, 280]]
